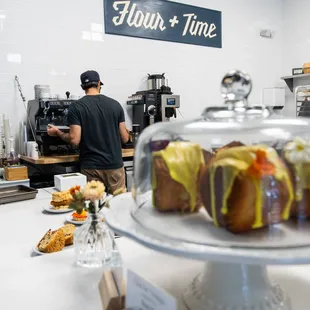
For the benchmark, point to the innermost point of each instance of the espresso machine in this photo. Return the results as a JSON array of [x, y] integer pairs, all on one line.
[[156, 104], [44, 111]]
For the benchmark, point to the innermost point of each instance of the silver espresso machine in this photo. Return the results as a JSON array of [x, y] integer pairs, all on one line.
[[156, 104], [44, 111]]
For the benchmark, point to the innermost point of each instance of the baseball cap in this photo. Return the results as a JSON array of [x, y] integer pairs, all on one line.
[[90, 76]]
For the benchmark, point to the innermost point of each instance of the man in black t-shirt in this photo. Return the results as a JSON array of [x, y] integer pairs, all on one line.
[[97, 125]]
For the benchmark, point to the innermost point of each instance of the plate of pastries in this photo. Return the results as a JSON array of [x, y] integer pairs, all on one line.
[[80, 218], [237, 195], [55, 240], [60, 202], [76, 218]]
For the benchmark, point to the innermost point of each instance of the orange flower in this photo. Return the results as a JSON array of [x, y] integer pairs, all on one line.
[[261, 166], [74, 189], [81, 216]]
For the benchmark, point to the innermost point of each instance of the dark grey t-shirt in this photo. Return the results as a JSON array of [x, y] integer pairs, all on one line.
[[100, 146]]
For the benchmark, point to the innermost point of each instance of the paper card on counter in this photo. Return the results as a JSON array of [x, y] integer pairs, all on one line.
[[143, 295]]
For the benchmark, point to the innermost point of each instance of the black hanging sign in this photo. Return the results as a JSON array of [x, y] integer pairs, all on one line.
[[164, 20]]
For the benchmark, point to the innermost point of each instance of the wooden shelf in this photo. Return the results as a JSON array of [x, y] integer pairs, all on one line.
[[128, 153], [50, 160], [289, 80]]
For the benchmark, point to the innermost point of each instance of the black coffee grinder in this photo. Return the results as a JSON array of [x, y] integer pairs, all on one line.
[[156, 104]]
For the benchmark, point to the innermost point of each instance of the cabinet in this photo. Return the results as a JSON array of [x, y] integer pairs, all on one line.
[[129, 177], [128, 165]]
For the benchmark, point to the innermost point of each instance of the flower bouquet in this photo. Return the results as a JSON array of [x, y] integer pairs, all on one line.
[[93, 241], [87, 199]]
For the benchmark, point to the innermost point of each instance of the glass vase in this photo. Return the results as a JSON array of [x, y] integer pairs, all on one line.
[[93, 243]]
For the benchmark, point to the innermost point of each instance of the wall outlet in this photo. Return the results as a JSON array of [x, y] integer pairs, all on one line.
[[266, 33]]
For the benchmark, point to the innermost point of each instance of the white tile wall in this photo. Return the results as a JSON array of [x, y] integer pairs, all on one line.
[[52, 42], [296, 43]]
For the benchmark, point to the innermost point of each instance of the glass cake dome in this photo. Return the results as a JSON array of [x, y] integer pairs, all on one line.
[[236, 176]]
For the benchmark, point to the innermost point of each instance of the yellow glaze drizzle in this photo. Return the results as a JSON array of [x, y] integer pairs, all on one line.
[[241, 153], [287, 210], [183, 160], [212, 191], [237, 160], [154, 182], [230, 172], [258, 205]]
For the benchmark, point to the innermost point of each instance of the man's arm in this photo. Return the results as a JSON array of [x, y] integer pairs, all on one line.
[[123, 132], [73, 137]]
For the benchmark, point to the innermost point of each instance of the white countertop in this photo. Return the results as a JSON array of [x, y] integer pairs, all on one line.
[[53, 282]]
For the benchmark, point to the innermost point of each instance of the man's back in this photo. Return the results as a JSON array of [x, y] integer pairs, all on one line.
[[99, 117]]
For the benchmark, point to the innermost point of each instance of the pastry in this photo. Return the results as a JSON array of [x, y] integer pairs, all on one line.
[[245, 188], [306, 68], [68, 231], [61, 207], [79, 217], [52, 241], [229, 145], [61, 200], [61, 196], [175, 177], [296, 155]]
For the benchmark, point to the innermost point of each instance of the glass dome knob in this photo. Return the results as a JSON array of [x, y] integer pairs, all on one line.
[[236, 86]]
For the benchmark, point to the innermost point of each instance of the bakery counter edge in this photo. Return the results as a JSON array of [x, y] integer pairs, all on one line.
[[48, 160]]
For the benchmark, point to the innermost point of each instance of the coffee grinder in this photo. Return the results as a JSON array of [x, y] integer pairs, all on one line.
[[156, 104]]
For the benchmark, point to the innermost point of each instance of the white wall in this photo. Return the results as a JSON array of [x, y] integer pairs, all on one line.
[[48, 36], [296, 39], [296, 44]]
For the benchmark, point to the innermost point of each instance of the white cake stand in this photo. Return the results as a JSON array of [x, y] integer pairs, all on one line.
[[235, 276]]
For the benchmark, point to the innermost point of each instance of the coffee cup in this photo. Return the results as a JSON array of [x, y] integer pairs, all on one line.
[[30, 147], [34, 151]]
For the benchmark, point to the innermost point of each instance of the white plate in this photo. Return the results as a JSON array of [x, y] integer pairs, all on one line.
[[50, 209], [36, 250], [70, 220]]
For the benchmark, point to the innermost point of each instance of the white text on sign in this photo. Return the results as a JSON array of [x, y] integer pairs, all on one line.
[[136, 18], [199, 28], [128, 13]]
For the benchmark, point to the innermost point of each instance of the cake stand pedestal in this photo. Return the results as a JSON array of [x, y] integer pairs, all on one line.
[[234, 277], [234, 287]]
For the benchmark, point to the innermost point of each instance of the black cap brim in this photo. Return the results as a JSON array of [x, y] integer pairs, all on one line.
[[101, 83]]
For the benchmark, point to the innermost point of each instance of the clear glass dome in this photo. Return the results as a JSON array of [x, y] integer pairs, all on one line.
[[236, 171]]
